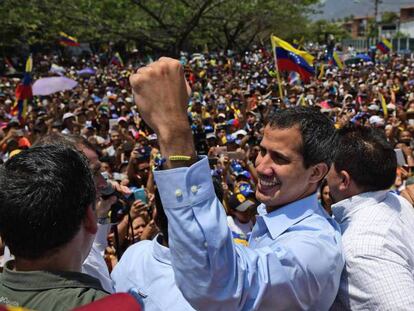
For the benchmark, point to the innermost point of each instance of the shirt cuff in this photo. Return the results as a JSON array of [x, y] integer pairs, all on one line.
[[185, 186]]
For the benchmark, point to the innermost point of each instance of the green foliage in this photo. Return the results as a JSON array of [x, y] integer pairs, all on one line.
[[318, 30], [389, 17], [164, 26]]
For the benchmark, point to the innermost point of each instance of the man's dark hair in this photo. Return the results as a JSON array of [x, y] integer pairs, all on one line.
[[44, 195], [317, 132], [366, 155]]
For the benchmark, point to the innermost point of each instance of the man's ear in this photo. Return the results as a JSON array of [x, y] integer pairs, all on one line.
[[319, 172], [90, 221], [345, 180]]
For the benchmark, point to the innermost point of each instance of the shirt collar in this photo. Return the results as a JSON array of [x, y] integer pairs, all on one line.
[[279, 220], [160, 252], [345, 208]]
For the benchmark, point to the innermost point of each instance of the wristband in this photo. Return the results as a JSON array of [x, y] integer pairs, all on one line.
[[179, 158]]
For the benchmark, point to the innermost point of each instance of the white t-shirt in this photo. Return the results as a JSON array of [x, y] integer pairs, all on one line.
[[240, 231]]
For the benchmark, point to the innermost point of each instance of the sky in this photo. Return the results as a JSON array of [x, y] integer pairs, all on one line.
[[342, 8]]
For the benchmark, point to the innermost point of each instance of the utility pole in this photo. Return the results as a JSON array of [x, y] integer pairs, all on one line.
[[376, 4]]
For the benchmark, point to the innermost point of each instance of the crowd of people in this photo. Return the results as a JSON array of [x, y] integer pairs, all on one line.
[[106, 153]]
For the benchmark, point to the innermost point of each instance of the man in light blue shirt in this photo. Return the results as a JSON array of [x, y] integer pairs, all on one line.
[[145, 269], [294, 259]]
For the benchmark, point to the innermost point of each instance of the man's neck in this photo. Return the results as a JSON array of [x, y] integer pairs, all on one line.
[[306, 194], [45, 264], [66, 258]]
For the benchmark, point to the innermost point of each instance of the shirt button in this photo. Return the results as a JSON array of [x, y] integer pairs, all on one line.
[[194, 189], [205, 244], [178, 193]]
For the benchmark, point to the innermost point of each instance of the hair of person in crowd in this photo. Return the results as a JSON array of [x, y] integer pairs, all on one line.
[[326, 200], [366, 155], [68, 140], [317, 132], [45, 192]]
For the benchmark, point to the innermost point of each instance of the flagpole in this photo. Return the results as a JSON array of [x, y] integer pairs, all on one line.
[[277, 70]]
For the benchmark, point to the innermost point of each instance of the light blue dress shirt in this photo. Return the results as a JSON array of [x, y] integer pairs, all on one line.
[[293, 262], [145, 271]]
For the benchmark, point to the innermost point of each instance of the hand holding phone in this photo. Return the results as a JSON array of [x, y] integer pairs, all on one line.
[[139, 194]]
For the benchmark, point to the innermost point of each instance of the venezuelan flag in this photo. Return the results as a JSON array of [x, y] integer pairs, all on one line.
[[23, 93], [67, 40], [291, 59], [117, 60], [384, 46]]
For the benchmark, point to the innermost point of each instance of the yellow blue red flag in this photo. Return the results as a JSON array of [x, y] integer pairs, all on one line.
[[384, 46], [291, 59], [24, 92], [67, 40]]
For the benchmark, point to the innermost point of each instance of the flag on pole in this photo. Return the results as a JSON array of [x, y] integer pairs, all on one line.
[[117, 60], [290, 59], [67, 40], [384, 46], [23, 92]]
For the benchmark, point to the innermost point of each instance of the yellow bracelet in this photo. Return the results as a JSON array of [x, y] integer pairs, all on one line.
[[179, 158]]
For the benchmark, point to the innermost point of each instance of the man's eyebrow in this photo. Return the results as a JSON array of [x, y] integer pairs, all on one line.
[[279, 154]]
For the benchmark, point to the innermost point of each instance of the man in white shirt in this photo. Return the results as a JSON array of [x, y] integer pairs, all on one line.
[[377, 225], [146, 270]]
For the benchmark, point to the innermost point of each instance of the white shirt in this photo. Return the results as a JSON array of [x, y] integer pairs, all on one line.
[[95, 264], [378, 240], [239, 230], [145, 268]]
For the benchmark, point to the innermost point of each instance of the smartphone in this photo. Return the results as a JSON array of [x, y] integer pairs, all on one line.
[[113, 123], [139, 194], [400, 157]]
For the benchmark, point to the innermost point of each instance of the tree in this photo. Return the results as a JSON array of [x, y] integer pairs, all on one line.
[[156, 26], [318, 31], [389, 17]]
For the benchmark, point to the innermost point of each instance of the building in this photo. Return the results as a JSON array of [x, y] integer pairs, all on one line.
[[407, 21], [358, 26]]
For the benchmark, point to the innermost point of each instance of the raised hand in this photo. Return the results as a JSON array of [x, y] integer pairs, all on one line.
[[161, 94]]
